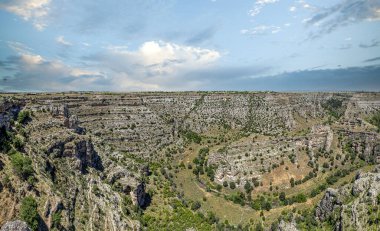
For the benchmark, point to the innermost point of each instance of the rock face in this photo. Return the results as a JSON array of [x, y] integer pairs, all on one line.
[[287, 226], [8, 111], [15, 226], [82, 149], [329, 202], [351, 205], [138, 195]]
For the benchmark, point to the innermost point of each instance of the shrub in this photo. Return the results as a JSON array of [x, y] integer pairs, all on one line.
[[292, 183], [23, 117], [225, 183], [56, 219], [232, 185], [300, 198], [18, 142], [375, 120], [28, 212], [267, 205], [195, 205], [192, 136], [248, 187], [22, 165]]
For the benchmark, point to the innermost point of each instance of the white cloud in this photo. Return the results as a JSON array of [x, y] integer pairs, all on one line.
[[160, 58], [261, 30], [30, 10], [61, 40], [155, 65], [259, 5], [292, 8]]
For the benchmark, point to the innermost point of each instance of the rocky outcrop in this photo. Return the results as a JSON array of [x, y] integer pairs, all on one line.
[[364, 144], [138, 195], [82, 149], [15, 226], [8, 111], [326, 206], [287, 226], [351, 206], [87, 156]]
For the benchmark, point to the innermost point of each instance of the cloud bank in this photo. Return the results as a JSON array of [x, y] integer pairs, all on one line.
[[35, 11]]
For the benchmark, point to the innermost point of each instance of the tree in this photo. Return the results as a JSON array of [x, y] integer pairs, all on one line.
[[22, 165], [292, 182], [225, 183], [282, 196], [248, 187], [28, 212], [232, 185], [267, 205], [195, 205]]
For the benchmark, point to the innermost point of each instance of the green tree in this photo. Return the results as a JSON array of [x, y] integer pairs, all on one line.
[[232, 185], [22, 165], [29, 213], [292, 182], [248, 187], [225, 183]]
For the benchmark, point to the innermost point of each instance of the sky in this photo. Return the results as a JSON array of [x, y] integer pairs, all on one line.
[[181, 45]]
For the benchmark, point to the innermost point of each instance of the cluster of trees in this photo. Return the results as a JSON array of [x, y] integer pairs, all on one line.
[[299, 198], [192, 136], [201, 164]]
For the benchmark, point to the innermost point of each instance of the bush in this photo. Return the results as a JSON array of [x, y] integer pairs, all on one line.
[[22, 165], [23, 117], [18, 142], [192, 136], [292, 182], [267, 205], [248, 187], [195, 205], [225, 183], [28, 212], [232, 185], [375, 120], [56, 219], [300, 198]]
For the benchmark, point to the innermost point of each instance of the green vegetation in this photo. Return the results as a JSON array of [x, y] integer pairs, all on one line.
[[56, 220], [23, 117], [29, 213], [180, 219], [375, 120], [334, 107], [201, 164], [22, 165], [192, 136], [195, 205]]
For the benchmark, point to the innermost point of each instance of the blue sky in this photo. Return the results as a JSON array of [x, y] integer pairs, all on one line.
[[171, 45]]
